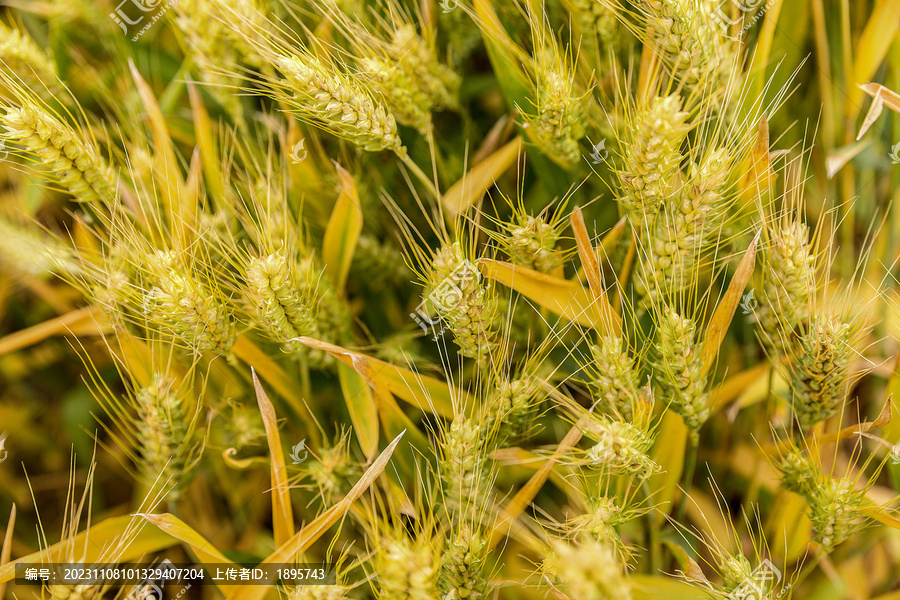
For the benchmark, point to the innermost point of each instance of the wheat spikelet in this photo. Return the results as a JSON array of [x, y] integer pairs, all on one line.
[[735, 571], [21, 55], [319, 592], [464, 302], [588, 570], [373, 256], [282, 311], [652, 157], [614, 379], [681, 370], [797, 471], [819, 368], [337, 102], [591, 18], [335, 472], [23, 249], [185, 307], [72, 160], [405, 569], [686, 231], [531, 242], [463, 465], [461, 574], [699, 52], [599, 521], [788, 281], [619, 447], [414, 54], [557, 122], [515, 401], [408, 103], [212, 43], [835, 508], [162, 433]]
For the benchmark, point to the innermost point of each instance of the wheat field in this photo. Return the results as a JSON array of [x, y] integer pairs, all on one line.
[[449, 300]]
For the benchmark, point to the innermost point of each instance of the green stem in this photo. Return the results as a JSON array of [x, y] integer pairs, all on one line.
[[653, 528], [420, 175], [688, 479]]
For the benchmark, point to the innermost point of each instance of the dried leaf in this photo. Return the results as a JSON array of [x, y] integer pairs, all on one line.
[[282, 514], [427, 393], [469, 190], [611, 321], [104, 542], [275, 376], [721, 319], [6, 551], [168, 174], [561, 296], [82, 322], [880, 96], [526, 494]]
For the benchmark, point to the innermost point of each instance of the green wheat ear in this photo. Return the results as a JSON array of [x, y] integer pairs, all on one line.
[[319, 592], [319, 93], [652, 157], [20, 54], [557, 122], [789, 282], [614, 377], [820, 367], [532, 242], [587, 568], [163, 433], [466, 303], [275, 292], [72, 159], [182, 305], [405, 568], [680, 370]]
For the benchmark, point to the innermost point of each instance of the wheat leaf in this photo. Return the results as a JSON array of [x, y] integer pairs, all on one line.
[[362, 408], [304, 538], [426, 393], [469, 190], [282, 515], [721, 319], [561, 296], [342, 232]]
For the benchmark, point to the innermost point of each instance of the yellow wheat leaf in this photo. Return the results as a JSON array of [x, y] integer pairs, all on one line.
[[282, 514], [342, 232]]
